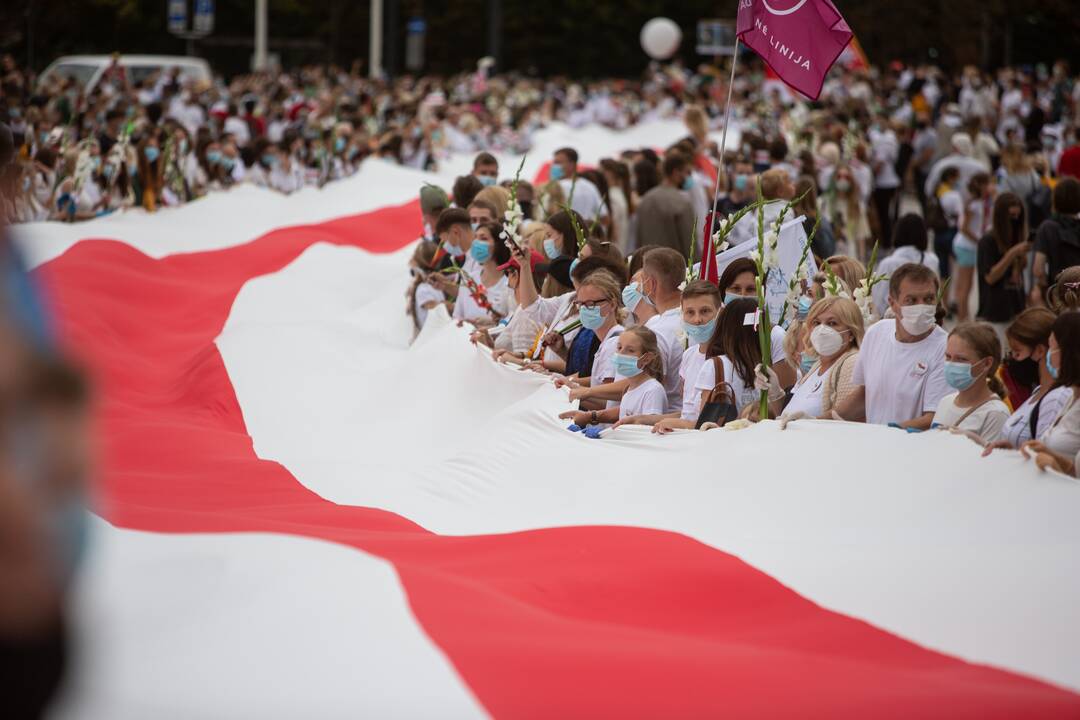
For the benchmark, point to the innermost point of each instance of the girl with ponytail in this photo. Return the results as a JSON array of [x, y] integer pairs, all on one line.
[[972, 357]]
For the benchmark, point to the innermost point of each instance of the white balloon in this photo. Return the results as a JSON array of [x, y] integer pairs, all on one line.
[[660, 38]]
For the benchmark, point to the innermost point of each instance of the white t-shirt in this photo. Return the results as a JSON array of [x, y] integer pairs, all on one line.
[[985, 421], [977, 217], [603, 367], [902, 380], [466, 308], [668, 328], [1017, 428], [807, 394], [1063, 437], [885, 149], [648, 398], [587, 200], [692, 360], [706, 380]]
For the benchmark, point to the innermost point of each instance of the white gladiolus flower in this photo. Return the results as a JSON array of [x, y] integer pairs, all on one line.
[[771, 238], [755, 256]]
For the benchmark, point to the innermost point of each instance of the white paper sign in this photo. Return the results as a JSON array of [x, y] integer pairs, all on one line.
[[789, 249]]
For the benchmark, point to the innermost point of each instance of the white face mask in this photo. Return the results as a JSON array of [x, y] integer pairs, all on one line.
[[826, 341], [918, 319]]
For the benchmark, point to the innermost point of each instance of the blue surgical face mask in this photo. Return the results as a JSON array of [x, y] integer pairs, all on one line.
[[700, 334], [803, 308], [151, 153], [269, 159], [213, 157], [339, 144], [1050, 368], [958, 375], [631, 295], [556, 172], [741, 182], [806, 362], [626, 365], [474, 226], [480, 251], [227, 162], [453, 249], [732, 297], [591, 317], [95, 163], [551, 249], [487, 180], [574, 264], [688, 183]]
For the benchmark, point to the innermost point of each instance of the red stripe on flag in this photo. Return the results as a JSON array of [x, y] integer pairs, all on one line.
[[562, 622]]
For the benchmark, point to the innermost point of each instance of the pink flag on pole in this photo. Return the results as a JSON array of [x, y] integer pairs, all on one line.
[[799, 39]]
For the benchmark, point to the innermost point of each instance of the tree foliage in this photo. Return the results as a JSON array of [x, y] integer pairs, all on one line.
[[575, 37]]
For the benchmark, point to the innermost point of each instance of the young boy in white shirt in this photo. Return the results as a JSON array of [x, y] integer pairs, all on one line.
[[700, 310], [901, 365]]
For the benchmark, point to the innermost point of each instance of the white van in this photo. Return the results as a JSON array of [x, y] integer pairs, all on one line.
[[88, 69]]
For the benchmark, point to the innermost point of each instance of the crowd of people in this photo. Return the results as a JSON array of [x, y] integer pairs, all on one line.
[[966, 185], [944, 219]]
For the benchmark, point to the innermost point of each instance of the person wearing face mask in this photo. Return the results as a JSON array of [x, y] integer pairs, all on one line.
[[455, 239], [638, 369], [700, 312], [665, 215], [847, 212], [835, 330], [1028, 338], [561, 248], [972, 356], [557, 312], [777, 188], [149, 175], [1061, 442], [583, 196], [486, 169], [1002, 260], [597, 299], [900, 372], [737, 281], [488, 252], [640, 307]]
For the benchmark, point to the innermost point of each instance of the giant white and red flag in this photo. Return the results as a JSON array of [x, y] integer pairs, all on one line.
[[799, 39], [304, 515]]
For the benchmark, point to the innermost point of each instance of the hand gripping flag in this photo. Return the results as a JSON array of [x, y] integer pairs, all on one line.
[[799, 39]]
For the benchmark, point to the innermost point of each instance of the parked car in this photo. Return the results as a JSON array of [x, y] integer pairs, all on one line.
[[88, 69]]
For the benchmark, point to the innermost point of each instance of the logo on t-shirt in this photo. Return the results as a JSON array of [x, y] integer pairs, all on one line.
[[919, 369]]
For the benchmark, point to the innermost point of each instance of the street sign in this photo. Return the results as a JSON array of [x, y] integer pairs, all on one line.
[[204, 17], [416, 30], [177, 16], [716, 37]]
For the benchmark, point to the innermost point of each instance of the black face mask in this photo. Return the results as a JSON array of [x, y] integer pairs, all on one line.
[[526, 208], [1024, 373]]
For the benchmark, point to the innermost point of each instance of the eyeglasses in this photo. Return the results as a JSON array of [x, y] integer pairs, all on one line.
[[590, 303]]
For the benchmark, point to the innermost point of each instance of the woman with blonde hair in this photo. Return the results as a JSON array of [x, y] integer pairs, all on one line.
[[972, 357], [499, 197], [834, 327], [845, 209]]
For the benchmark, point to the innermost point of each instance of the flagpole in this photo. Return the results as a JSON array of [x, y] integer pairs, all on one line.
[[723, 137]]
